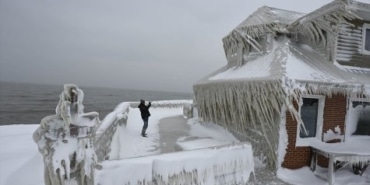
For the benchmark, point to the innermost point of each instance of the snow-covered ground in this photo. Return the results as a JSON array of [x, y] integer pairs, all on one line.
[[21, 164], [20, 161]]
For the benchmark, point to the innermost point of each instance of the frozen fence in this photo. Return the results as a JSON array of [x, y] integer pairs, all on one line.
[[231, 164], [165, 104], [189, 110], [106, 130]]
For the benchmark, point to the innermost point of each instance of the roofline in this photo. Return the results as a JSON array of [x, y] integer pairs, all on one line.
[[313, 14], [266, 7], [360, 6], [207, 81], [257, 11], [247, 80]]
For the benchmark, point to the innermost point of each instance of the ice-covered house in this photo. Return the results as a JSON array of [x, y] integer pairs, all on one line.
[[296, 85]]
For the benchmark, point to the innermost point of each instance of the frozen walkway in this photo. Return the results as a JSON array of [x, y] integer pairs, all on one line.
[[170, 130], [168, 133]]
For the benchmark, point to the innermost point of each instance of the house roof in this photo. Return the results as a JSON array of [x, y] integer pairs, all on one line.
[[343, 8], [263, 20], [297, 64], [270, 20], [268, 15], [361, 9], [328, 18], [254, 93]]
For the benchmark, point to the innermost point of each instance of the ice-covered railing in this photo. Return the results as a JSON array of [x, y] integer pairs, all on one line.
[[223, 165], [106, 130], [65, 141]]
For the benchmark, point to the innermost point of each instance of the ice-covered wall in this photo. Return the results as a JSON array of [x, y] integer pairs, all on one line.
[[221, 165], [251, 110], [108, 127]]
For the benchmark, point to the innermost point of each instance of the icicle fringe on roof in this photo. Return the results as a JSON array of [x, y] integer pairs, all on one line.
[[262, 21], [325, 19], [241, 105]]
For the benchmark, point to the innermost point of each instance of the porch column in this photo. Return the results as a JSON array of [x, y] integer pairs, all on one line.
[[331, 175]]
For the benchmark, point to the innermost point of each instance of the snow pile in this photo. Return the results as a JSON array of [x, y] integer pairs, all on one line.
[[224, 165], [333, 135]]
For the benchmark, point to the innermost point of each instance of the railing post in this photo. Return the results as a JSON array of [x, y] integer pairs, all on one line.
[[66, 141]]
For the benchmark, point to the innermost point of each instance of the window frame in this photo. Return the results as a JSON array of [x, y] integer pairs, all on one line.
[[364, 28], [350, 101], [319, 123]]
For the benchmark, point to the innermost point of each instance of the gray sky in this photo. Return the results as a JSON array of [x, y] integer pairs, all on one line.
[[162, 45]]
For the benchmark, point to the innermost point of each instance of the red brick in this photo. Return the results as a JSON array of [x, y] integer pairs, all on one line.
[[334, 115]]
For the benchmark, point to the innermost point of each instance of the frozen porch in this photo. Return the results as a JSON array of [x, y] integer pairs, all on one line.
[[350, 150]]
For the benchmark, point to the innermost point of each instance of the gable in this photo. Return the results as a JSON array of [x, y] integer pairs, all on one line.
[[353, 44]]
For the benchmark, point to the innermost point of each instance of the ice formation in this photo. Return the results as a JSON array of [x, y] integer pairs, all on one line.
[[249, 92], [66, 141], [211, 166], [333, 135]]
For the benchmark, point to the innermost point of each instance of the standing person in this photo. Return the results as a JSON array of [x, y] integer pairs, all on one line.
[[144, 115]]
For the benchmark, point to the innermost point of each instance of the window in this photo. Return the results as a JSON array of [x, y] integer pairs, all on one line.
[[259, 43], [311, 111], [358, 117], [366, 39]]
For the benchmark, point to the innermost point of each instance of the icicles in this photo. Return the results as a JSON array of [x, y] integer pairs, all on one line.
[[226, 165], [327, 18], [354, 159], [250, 40], [248, 36], [241, 105]]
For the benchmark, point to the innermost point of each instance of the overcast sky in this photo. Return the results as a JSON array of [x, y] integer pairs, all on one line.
[[162, 45]]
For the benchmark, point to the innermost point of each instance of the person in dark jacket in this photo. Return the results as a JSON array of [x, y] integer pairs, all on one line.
[[144, 115]]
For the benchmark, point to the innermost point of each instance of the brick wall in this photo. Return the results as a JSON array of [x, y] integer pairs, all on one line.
[[334, 115], [295, 157]]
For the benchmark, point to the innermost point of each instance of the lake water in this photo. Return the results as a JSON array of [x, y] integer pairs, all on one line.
[[22, 103]]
